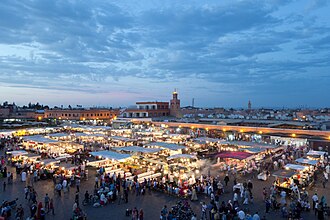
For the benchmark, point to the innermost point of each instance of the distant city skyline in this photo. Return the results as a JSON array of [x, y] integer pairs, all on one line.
[[114, 53]]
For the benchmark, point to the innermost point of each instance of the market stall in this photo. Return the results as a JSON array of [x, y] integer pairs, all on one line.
[[48, 167], [233, 159], [115, 162], [316, 155], [37, 143], [307, 161], [284, 180], [121, 141], [171, 148], [304, 174]]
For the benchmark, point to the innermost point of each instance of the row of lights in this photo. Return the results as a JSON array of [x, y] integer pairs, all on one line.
[[242, 131]]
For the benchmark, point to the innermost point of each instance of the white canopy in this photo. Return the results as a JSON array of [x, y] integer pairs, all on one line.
[[17, 153], [168, 146], [80, 134], [206, 139], [119, 138], [39, 139], [49, 161], [176, 156], [306, 161], [110, 155], [250, 144], [295, 166], [59, 135], [316, 153], [137, 149]]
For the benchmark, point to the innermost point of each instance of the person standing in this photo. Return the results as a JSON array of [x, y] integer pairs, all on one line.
[[141, 214], [51, 206], [283, 197], [46, 202], [315, 199], [96, 182], [226, 179], [135, 214], [126, 195], [4, 186]]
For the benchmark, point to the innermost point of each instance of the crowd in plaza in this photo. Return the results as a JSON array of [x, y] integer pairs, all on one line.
[[122, 180]]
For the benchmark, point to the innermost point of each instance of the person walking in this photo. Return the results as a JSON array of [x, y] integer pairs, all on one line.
[[51, 206], [58, 188], [78, 184], [26, 192], [204, 208]]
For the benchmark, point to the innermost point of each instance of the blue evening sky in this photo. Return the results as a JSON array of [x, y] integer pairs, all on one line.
[[114, 53]]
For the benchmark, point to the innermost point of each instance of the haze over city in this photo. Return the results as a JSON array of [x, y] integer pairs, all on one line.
[[114, 53]]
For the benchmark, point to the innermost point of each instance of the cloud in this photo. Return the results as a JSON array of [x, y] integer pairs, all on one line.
[[87, 46]]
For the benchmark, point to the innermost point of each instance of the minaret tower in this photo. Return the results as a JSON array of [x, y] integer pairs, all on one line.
[[175, 105]]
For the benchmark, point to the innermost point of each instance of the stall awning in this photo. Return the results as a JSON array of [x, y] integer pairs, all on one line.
[[306, 161], [206, 139], [39, 139], [49, 161], [284, 173], [253, 150], [17, 153], [251, 144], [295, 166], [316, 153], [119, 138], [176, 156], [168, 146], [69, 166], [59, 135], [110, 155], [80, 134], [234, 155], [137, 149]]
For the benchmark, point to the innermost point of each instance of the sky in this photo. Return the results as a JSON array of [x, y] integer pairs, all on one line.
[[275, 53]]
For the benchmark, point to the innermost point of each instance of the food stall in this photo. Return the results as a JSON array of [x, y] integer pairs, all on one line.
[[316, 155], [182, 165], [116, 161], [37, 143], [48, 167], [121, 141], [60, 136], [233, 159], [171, 148], [284, 180], [307, 161], [16, 156], [304, 174]]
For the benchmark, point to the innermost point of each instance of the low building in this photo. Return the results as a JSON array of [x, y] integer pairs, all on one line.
[[4, 112], [81, 114], [148, 110]]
